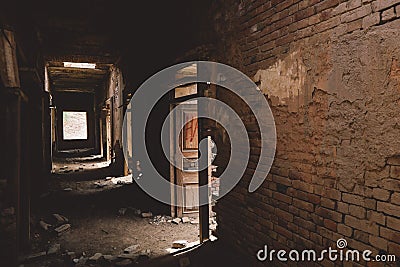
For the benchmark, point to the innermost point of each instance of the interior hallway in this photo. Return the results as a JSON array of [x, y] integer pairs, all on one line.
[[329, 70]]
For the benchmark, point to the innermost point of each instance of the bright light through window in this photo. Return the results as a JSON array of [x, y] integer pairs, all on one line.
[[80, 65], [75, 125]]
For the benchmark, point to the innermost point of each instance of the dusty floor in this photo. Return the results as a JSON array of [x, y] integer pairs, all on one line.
[[103, 215]]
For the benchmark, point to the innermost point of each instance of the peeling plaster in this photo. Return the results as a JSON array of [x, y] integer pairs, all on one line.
[[284, 81]]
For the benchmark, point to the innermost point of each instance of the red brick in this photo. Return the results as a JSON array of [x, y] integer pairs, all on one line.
[[303, 205], [282, 231], [352, 199], [378, 242], [393, 223], [341, 8], [307, 3], [357, 211], [363, 225], [303, 186], [331, 225], [331, 193], [284, 215], [382, 4], [393, 248], [328, 203], [305, 224], [326, 4], [282, 197], [344, 230], [377, 217], [381, 194], [395, 199], [356, 14], [390, 234], [395, 171], [389, 209], [343, 207], [388, 14], [396, 159], [305, 13], [329, 214], [353, 4]]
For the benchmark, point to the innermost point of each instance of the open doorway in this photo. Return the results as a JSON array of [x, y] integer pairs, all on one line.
[[184, 150]]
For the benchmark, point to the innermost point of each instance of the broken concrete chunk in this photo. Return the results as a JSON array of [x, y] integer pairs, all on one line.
[[62, 228], [196, 221], [176, 220], [100, 184], [179, 244], [145, 253], [159, 219], [122, 211], [122, 180], [54, 249], [45, 226], [185, 220], [60, 218], [132, 249], [96, 257], [147, 214]]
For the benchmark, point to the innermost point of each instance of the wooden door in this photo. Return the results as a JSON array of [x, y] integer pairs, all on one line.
[[187, 173]]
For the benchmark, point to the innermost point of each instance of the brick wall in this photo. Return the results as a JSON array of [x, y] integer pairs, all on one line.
[[330, 70]]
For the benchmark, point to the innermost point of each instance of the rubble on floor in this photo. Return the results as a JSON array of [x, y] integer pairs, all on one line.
[[122, 180], [160, 219], [45, 226], [176, 220], [180, 244], [132, 249], [65, 227], [60, 224], [61, 219], [147, 214]]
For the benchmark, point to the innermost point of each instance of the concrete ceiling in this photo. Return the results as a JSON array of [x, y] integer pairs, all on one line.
[[76, 79]]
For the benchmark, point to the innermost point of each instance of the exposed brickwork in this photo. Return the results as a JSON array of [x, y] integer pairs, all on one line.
[[332, 177]]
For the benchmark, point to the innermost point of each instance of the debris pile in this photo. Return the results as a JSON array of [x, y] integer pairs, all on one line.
[[180, 244], [59, 224]]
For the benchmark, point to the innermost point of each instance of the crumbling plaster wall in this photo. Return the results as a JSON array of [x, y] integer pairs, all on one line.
[[330, 71]]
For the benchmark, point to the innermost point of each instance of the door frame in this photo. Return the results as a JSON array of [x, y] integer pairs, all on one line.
[[203, 175]]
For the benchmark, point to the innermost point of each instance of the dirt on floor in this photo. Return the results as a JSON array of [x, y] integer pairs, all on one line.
[[102, 215]]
